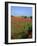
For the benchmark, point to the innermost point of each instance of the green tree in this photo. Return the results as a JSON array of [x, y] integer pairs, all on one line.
[[25, 17], [31, 17]]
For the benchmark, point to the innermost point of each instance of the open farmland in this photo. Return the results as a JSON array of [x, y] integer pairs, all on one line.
[[21, 28]]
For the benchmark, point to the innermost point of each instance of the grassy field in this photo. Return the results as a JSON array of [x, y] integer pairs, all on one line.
[[21, 28]]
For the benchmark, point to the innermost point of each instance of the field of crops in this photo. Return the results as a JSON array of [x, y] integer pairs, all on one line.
[[21, 28]]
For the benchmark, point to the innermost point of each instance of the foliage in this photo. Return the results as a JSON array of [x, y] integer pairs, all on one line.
[[31, 17], [20, 29], [25, 16]]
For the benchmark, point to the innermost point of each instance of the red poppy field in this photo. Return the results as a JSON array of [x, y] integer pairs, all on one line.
[[21, 27]]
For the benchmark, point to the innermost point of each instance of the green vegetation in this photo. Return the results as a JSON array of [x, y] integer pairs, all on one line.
[[31, 17], [25, 17], [19, 30]]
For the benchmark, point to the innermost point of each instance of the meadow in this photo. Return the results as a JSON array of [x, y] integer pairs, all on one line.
[[21, 27]]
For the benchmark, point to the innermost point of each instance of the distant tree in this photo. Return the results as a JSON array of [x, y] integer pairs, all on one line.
[[31, 17], [25, 17]]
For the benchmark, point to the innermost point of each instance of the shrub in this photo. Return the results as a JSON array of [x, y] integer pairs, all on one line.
[[25, 17], [30, 28], [23, 35], [31, 17]]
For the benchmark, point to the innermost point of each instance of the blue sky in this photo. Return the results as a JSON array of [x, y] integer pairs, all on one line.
[[21, 11]]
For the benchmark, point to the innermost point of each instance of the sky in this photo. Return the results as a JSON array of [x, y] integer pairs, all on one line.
[[21, 11]]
